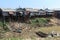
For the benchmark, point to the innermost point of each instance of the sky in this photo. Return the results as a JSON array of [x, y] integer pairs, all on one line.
[[51, 4]]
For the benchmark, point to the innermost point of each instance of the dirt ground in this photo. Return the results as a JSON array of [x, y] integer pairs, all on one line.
[[30, 32]]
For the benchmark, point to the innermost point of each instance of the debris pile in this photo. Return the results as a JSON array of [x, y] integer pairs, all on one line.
[[54, 34]]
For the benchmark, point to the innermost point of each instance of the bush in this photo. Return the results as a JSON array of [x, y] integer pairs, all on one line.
[[5, 28], [39, 21]]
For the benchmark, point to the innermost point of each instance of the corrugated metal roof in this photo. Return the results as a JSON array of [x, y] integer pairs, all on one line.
[[31, 9], [8, 9], [10, 12]]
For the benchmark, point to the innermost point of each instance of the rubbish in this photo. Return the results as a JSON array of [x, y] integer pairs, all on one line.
[[41, 34], [54, 34], [18, 30]]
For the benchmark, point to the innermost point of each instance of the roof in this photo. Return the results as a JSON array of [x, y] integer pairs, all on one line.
[[8, 9], [32, 10], [10, 12], [48, 10]]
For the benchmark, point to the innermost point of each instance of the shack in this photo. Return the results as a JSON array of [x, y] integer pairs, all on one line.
[[42, 12], [8, 13], [49, 12], [33, 12], [57, 13]]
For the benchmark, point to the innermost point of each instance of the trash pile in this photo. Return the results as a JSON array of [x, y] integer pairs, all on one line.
[[52, 34]]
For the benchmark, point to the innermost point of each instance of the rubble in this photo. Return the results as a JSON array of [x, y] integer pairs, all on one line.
[[41, 34], [54, 34]]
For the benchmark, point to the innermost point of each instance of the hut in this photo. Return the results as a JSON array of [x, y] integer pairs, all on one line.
[[42, 12], [33, 12], [49, 12], [8, 13], [57, 13]]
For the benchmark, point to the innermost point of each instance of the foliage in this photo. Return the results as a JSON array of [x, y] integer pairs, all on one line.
[[39, 21], [5, 28]]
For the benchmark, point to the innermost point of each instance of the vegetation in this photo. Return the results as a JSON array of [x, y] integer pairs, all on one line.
[[30, 32], [39, 21], [3, 26], [12, 39], [50, 29]]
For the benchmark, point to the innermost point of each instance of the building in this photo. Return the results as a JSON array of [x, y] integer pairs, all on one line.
[[33, 12], [57, 13], [49, 12], [8, 11], [42, 12]]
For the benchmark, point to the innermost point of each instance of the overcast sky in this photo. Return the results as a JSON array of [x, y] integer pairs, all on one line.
[[51, 4]]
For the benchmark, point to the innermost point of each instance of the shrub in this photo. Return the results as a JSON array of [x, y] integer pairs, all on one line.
[[39, 21], [3, 26]]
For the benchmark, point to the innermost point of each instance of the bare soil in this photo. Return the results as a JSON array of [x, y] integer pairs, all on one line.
[[30, 32]]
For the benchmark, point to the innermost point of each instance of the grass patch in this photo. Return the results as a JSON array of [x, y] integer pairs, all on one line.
[[50, 29], [11, 39], [4, 28], [39, 21], [1, 23]]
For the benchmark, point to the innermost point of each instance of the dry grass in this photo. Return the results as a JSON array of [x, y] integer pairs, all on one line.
[[50, 29], [43, 29], [29, 32]]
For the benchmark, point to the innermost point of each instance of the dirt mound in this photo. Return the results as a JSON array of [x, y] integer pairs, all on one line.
[[55, 21]]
